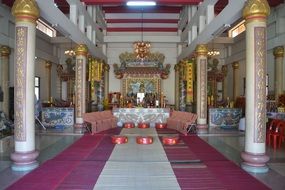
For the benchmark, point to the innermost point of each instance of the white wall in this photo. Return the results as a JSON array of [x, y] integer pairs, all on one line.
[[170, 52]]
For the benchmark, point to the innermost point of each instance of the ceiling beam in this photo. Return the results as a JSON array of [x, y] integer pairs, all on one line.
[[132, 38], [155, 9], [142, 21], [55, 17], [139, 29], [231, 13], [188, 2]]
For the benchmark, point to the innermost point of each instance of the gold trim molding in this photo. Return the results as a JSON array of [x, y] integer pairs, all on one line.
[[5, 51], [131, 57], [278, 51], [26, 10], [256, 8]]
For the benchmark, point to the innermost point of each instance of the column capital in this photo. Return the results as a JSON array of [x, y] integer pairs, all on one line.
[[225, 69], [48, 64], [89, 58], [256, 9], [201, 49], [235, 65], [278, 51], [5, 51], [176, 67], [26, 10], [81, 49]]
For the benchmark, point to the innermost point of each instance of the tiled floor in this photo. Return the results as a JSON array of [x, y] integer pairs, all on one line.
[[230, 143]]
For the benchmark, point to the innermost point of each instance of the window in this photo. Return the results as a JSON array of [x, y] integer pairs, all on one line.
[[37, 87], [237, 29], [45, 28]]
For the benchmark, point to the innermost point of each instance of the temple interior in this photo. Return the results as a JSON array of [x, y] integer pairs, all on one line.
[[118, 84]]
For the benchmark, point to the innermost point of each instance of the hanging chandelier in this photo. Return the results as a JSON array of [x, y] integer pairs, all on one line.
[[141, 48], [213, 52], [70, 52]]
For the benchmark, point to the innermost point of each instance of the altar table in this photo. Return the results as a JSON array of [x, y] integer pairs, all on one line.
[[55, 116], [227, 118], [137, 115]]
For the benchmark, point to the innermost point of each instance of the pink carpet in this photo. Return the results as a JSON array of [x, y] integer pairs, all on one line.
[[195, 164]]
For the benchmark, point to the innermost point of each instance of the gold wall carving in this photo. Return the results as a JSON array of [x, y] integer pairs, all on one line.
[[260, 86], [20, 83]]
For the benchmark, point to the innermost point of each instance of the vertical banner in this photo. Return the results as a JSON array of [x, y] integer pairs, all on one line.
[[189, 71]]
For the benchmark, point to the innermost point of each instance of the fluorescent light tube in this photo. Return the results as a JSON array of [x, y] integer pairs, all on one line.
[[141, 3]]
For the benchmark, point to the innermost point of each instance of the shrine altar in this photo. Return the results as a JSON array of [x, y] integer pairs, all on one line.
[[137, 115]]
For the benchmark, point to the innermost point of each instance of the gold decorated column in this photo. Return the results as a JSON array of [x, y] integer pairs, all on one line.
[[80, 86], [176, 68], [278, 53], [26, 12], [235, 66], [201, 60], [48, 66], [5, 52], [106, 78], [254, 158], [225, 83]]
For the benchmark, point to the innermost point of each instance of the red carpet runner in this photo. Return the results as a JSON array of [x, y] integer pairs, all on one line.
[[195, 164]]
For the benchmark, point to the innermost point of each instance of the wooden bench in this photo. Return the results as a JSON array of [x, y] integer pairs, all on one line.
[[181, 121], [100, 121]]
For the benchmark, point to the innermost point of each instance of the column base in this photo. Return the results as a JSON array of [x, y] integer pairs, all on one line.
[[24, 161], [253, 169], [202, 128], [254, 163], [79, 128]]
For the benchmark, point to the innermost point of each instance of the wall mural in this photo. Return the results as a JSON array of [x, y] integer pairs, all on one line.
[[148, 87]]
